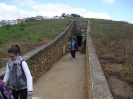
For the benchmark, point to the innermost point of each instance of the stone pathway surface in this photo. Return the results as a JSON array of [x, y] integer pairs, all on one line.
[[66, 79]]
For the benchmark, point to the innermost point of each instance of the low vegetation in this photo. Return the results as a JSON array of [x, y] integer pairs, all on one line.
[[32, 32], [113, 42]]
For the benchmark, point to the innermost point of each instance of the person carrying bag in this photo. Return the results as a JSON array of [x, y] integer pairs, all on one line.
[[18, 73]]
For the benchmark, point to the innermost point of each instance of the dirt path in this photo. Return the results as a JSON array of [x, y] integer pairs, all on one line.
[[66, 79]]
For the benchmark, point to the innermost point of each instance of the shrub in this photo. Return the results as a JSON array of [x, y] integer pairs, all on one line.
[[1, 40]]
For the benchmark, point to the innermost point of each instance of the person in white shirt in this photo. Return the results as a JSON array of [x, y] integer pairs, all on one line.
[[17, 71]]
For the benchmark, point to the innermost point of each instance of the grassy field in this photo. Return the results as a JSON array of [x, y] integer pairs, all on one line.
[[113, 42], [33, 32]]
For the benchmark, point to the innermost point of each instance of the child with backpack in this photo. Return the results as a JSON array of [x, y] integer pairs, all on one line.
[[73, 47], [18, 73]]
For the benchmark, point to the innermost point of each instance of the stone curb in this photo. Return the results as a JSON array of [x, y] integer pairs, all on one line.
[[100, 88]]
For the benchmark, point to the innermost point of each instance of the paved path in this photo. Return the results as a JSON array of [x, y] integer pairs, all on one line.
[[66, 79]]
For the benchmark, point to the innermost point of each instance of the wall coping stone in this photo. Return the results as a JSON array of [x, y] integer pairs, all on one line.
[[100, 87]]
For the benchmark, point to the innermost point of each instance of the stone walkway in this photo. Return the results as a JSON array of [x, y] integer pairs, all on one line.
[[66, 79]]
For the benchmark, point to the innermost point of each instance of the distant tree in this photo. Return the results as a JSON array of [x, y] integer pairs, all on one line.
[[68, 15], [63, 14], [78, 15], [75, 15], [29, 19]]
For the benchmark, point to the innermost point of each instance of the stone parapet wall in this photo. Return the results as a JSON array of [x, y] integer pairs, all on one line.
[[42, 58], [45, 56], [89, 82], [97, 85]]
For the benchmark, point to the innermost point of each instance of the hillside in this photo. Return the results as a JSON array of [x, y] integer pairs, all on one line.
[[29, 35], [113, 41]]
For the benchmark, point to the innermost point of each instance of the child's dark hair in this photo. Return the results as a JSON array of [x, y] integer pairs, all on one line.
[[14, 49]]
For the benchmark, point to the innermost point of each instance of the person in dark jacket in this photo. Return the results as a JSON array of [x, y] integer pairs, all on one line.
[[73, 47], [18, 73]]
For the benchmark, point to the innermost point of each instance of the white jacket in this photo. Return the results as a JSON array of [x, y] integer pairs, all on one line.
[[27, 74]]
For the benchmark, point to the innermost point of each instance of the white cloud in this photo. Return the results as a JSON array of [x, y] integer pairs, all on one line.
[[131, 22], [9, 12], [56, 9], [97, 15], [108, 1]]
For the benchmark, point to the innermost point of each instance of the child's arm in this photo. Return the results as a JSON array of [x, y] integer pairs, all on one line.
[[69, 42], [28, 77], [6, 77]]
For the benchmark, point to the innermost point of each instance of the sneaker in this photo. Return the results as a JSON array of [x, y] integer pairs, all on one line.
[[73, 59]]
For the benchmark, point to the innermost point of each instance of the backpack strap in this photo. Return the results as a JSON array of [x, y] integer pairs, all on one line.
[[21, 65]]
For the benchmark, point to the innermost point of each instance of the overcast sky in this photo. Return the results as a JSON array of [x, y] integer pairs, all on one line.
[[121, 10]]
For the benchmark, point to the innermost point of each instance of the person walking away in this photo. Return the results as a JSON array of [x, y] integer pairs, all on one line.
[[18, 73], [73, 48]]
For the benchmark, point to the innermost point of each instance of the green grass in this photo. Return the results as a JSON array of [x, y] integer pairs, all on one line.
[[114, 39], [32, 31], [35, 31]]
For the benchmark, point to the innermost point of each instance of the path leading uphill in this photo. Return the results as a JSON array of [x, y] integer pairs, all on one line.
[[66, 79]]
